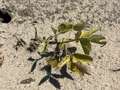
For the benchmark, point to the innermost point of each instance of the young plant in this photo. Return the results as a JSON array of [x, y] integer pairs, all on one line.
[[63, 57]]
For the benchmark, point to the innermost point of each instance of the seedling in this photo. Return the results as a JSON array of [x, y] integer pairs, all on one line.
[[63, 57], [58, 53]]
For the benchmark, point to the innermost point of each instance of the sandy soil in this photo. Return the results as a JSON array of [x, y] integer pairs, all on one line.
[[15, 67]]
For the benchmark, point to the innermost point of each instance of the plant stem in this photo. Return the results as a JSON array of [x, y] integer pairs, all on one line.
[[67, 41]]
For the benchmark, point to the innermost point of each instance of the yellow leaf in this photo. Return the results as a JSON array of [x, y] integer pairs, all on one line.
[[52, 62], [83, 59], [64, 61], [74, 68], [43, 46], [87, 34]]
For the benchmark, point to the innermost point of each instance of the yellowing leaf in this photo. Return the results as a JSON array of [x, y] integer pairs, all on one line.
[[74, 69], [64, 27], [79, 26], [87, 34], [83, 59], [99, 39], [52, 62], [42, 47], [64, 61], [86, 45]]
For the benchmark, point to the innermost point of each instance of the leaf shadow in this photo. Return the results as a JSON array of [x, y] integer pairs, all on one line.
[[45, 78], [54, 82], [64, 72]]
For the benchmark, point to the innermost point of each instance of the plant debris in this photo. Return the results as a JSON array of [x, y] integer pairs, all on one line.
[[1, 61], [27, 81]]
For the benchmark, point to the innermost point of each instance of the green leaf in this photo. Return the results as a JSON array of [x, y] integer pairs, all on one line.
[[64, 61], [87, 34], [44, 79], [99, 39], [83, 59], [79, 26], [64, 27], [86, 45]]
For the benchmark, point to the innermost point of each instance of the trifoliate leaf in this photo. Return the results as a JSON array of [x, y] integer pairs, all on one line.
[[87, 34], [86, 45], [64, 27], [83, 59], [79, 26], [99, 39], [64, 61]]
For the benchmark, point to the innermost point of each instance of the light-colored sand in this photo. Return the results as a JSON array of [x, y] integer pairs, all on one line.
[[104, 13]]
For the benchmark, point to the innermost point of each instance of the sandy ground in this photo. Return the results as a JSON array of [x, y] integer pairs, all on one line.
[[15, 67]]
